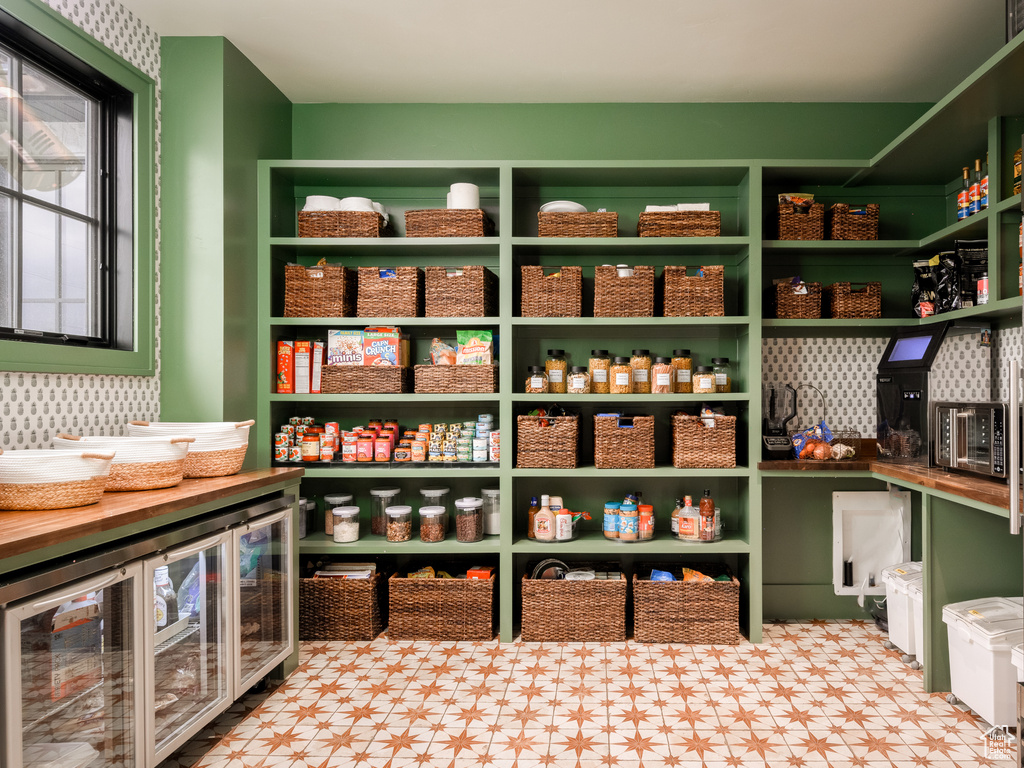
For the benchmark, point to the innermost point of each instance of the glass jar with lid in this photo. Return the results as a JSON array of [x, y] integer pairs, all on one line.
[[537, 380], [723, 374], [399, 525], [346, 523], [469, 519], [703, 380], [640, 362], [682, 367], [437, 496], [332, 500], [598, 368], [433, 524], [557, 370], [491, 511], [621, 375], [380, 499], [662, 374], [579, 380]]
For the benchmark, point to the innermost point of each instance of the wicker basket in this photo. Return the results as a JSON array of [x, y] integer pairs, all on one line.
[[326, 290], [365, 380], [398, 296], [596, 224], [848, 302], [794, 225], [679, 224], [44, 479], [847, 226], [800, 301], [704, 612], [616, 296], [440, 609], [695, 445], [341, 609], [219, 447], [625, 442], [448, 222], [694, 295], [546, 447], [553, 295], [470, 294], [455, 379], [140, 463], [555, 610], [341, 224]]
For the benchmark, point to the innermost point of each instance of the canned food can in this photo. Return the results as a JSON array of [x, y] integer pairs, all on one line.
[[487, 417], [484, 426], [331, 427], [495, 453], [326, 452], [469, 424], [288, 429], [282, 439], [295, 453], [308, 421], [480, 444], [495, 438], [300, 430], [294, 421], [280, 453], [349, 451], [480, 455]]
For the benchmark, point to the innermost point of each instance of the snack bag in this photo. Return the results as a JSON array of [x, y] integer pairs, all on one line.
[[441, 353], [474, 348], [691, 575]]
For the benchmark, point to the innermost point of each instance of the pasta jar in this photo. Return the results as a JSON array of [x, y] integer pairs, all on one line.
[[704, 380], [537, 381], [646, 516], [610, 524], [682, 367], [433, 524], [399, 526], [723, 374], [346, 524], [380, 499], [598, 370], [661, 376], [469, 519], [629, 522], [556, 368], [621, 376], [579, 380], [641, 365]]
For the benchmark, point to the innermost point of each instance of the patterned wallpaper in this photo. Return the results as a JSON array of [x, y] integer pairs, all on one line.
[[36, 406]]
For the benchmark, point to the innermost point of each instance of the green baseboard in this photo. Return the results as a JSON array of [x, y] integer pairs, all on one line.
[[810, 601]]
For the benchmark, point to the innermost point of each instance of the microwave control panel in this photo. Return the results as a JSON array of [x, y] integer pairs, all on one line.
[[998, 443]]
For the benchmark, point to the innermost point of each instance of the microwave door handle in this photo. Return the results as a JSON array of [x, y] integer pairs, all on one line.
[[1014, 439]]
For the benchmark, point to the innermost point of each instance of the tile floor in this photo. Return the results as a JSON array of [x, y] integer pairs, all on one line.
[[812, 694]]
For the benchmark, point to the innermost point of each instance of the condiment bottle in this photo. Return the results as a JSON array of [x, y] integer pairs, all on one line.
[[531, 513], [629, 522], [544, 521], [707, 517], [675, 517], [563, 525], [689, 521], [646, 512], [557, 369]]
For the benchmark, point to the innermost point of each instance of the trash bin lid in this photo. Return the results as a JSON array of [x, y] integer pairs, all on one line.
[[901, 575], [991, 619]]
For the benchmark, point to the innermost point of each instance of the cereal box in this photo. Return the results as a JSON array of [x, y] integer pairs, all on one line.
[[385, 346], [316, 370], [286, 367], [344, 347], [303, 357]]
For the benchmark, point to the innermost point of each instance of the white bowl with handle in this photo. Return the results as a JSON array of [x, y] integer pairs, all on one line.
[[219, 447], [37, 479], [140, 463]]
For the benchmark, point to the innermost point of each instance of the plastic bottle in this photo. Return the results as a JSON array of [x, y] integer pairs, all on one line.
[[689, 521], [530, 514], [563, 525], [707, 517], [544, 521], [675, 517]]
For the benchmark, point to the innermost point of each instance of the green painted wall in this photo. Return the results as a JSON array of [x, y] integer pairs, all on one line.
[[220, 115], [596, 131]]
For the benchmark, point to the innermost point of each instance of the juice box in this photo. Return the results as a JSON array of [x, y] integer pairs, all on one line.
[[303, 355], [385, 346], [286, 367]]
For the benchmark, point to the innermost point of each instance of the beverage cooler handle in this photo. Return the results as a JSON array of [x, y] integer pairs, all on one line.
[[1014, 437], [80, 589]]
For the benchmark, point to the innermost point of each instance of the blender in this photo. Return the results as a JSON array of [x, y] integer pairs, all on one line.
[[778, 404]]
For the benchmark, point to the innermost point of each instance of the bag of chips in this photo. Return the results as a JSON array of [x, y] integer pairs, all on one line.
[[474, 348]]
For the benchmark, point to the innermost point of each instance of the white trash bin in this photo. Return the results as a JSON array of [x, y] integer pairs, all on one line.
[[897, 603], [915, 591], [982, 634], [1018, 662]]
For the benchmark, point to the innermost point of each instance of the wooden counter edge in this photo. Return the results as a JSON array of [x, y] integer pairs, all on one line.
[[22, 532]]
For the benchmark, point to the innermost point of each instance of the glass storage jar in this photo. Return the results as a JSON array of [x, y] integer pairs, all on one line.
[[433, 524], [437, 496], [598, 368], [536, 381], [579, 380], [557, 370], [346, 523], [469, 519], [682, 367], [399, 526], [332, 500], [621, 377], [723, 374], [491, 511], [661, 376], [704, 380], [380, 499], [640, 362]]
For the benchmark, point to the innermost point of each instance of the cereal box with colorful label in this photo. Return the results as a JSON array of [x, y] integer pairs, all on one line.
[[344, 347], [385, 346]]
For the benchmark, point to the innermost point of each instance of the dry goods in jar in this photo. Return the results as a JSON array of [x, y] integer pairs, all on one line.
[[598, 368], [557, 369], [640, 362], [682, 366], [621, 376], [537, 381], [703, 380], [661, 376], [579, 380]]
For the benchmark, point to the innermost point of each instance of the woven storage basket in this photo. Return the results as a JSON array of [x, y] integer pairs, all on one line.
[[440, 609], [790, 305], [365, 380], [140, 463], [550, 447], [326, 290], [471, 294], [616, 296], [398, 296], [679, 224], [847, 302], [455, 379], [693, 295], [703, 612], [44, 479], [624, 442], [341, 609], [596, 224], [555, 610], [801, 226], [219, 447], [448, 222], [848, 226], [698, 446], [553, 295], [341, 224]]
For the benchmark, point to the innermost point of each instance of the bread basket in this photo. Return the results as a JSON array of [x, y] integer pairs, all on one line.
[[37, 479], [219, 447], [140, 463]]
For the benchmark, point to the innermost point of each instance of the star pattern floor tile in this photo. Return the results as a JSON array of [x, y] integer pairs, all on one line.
[[812, 695]]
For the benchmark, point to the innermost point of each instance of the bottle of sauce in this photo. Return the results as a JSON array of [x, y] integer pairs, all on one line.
[[983, 186], [563, 525], [963, 198], [675, 517], [974, 191], [646, 512], [165, 599], [689, 521], [531, 513], [544, 521], [707, 517]]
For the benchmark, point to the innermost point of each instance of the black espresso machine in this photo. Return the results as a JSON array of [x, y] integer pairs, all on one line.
[[904, 394]]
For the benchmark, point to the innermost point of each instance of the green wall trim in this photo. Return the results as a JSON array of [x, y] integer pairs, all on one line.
[[141, 360], [810, 601]]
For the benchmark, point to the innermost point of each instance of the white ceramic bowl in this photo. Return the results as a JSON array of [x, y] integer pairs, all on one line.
[[37, 479], [209, 435], [129, 450]]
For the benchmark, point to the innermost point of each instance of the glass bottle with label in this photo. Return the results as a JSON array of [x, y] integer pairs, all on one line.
[[598, 368], [640, 362], [531, 513], [682, 367], [165, 599], [557, 370], [707, 517]]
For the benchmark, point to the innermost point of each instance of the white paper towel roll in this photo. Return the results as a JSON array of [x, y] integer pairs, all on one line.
[[464, 195]]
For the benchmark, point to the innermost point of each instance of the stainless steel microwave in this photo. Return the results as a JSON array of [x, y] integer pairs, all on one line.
[[971, 437]]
